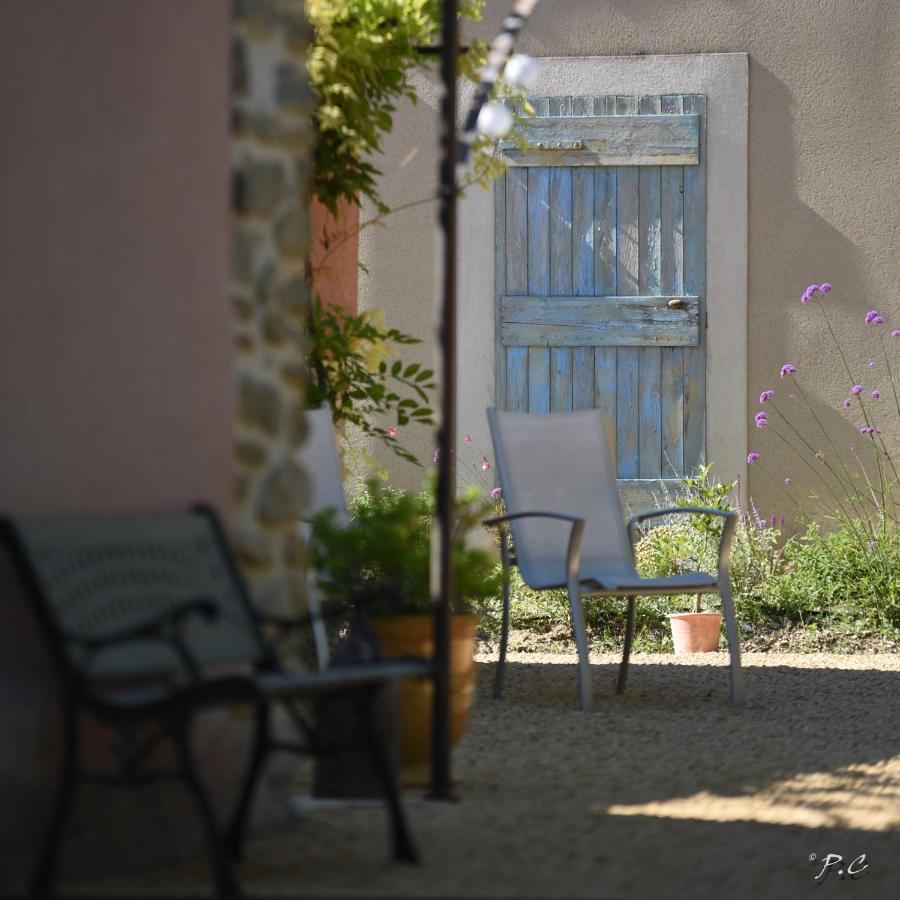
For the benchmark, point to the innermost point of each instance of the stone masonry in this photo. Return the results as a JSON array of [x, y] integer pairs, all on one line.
[[272, 152]]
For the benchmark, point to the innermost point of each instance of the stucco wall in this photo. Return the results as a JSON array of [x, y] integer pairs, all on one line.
[[823, 175], [115, 340]]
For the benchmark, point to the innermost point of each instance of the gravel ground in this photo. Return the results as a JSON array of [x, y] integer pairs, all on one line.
[[666, 792]]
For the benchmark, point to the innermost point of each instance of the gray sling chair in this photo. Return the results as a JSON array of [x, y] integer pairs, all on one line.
[[568, 529], [320, 460], [148, 621]]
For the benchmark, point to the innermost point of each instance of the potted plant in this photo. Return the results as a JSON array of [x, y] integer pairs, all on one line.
[[380, 563]]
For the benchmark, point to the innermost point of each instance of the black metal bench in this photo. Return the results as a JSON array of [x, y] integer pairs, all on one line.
[[149, 621]]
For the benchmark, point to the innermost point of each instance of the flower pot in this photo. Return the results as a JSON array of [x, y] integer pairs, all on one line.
[[413, 635], [695, 632]]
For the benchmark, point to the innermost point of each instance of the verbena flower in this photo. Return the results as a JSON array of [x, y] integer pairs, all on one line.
[[766, 395], [787, 481], [869, 429], [808, 293], [870, 315], [788, 369], [392, 431], [485, 465], [895, 333], [437, 456], [761, 419], [824, 287], [495, 493], [872, 544], [872, 364], [878, 320], [846, 403], [876, 395], [752, 457], [856, 390]]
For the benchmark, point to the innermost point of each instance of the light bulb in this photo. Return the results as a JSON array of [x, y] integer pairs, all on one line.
[[494, 121], [520, 71]]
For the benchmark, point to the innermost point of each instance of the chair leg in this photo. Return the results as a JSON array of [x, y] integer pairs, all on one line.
[[580, 632], [43, 875], [234, 836], [734, 647], [626, 653], [404, 849], [225, 883], [504, 640]]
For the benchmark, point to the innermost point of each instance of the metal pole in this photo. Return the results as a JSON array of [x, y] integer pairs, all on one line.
[[440, 773]]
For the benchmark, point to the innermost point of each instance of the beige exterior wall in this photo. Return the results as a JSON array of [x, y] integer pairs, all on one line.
[[823, 178]]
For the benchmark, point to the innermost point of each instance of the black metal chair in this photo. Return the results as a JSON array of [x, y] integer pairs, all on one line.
[[157, 603]]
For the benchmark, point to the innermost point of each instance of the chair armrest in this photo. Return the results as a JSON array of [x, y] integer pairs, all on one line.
[[728, 526], [573, 552], [167, 627]]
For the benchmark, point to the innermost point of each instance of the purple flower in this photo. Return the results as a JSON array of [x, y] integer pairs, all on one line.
[[774, 519], [870, 429], [870, 315], [495, 493], [872, 544], [824, 287], [878, 320], [766, 395], [788, 369], [876, 395], [761, 419], [872, 364], [846, 403], [808, 293], [437, 456], [856, 390], [787, 481], [895, 333], [752, 457]]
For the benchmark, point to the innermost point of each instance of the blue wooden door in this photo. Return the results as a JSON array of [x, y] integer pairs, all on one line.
[[600, 275]]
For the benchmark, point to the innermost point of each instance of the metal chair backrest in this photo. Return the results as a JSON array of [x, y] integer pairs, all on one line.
[[321, 461], [92, 577], [560, 462]]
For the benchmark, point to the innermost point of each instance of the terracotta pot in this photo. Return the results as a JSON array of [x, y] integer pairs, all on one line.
[[413, 636], [695, 632]]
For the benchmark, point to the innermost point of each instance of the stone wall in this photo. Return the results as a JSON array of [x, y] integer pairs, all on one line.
[[272, 151]]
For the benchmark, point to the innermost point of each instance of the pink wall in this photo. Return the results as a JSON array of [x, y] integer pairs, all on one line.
[[115, 350], [115, 332]]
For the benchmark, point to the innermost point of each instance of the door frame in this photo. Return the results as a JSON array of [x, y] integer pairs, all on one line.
[[724, 79]]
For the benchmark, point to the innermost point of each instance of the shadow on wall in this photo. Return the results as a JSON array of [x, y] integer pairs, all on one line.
[[782, 223]]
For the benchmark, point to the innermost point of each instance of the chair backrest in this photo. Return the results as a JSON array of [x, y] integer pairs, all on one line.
[[320, 458], [560, 462], [321, 461], [90, 577]]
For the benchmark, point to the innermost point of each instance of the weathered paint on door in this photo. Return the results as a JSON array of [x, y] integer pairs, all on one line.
[[600, 275]]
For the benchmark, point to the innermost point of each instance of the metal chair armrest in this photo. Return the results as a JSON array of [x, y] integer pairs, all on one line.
[[728, 526]]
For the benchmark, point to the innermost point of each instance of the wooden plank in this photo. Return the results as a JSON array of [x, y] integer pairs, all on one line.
[[560, 281], [582, 265], [695, 283], [627, 269], [539, 379], [599, 321], [499, 289], [649, 359], [617, 140], [672, 281], [516, 228], [605, 282], [641, 494], [517, 379]]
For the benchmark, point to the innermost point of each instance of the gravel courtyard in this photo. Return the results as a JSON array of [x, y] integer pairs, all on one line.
[[665, 792]]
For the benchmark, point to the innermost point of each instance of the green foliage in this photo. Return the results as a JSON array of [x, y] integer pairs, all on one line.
[[344, 354], [363, 54], [834, 572], [382, 558]]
